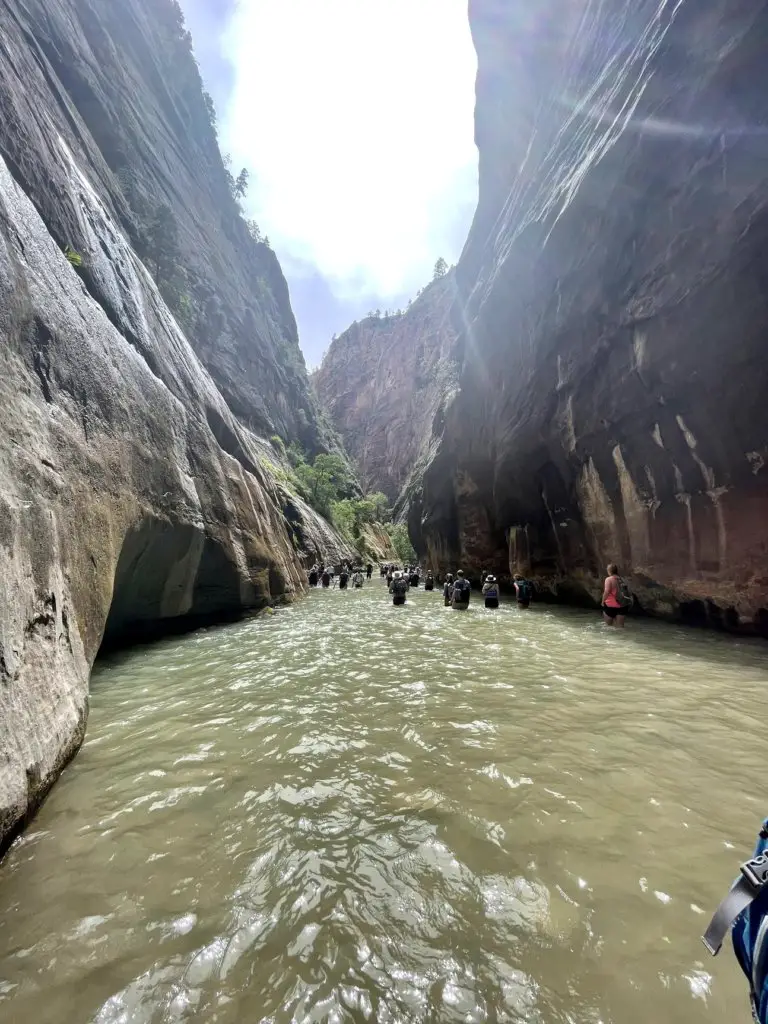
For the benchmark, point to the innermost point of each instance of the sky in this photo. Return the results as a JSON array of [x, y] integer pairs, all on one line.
[[355, 121]]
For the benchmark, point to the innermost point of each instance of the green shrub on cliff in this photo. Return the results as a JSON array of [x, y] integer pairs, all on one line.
[[380, 502], [401, 542], [350, 515], [361, 547], [278, 444], [325, 484], [343, 518], [277, 471], [296, 454], [74, 257], [323, 481]]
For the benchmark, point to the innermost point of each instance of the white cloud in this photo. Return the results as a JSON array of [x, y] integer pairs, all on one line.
[[356, 119]]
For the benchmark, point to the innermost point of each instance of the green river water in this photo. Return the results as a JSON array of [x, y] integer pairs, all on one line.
[[351, 812]]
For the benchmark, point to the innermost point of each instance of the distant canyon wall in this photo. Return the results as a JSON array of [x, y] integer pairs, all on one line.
[[133, 495], [385, 383]]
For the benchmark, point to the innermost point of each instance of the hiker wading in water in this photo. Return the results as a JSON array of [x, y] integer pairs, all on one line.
[[617, 598], [461, 592], [523, 590], [398, 588], [491, 592]]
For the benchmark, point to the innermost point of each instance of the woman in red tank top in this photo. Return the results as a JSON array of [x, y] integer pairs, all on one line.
[[614, 611]]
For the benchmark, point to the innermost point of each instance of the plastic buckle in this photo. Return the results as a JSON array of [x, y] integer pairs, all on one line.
[[755, 871]]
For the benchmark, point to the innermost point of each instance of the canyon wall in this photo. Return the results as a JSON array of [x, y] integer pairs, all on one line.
[[385, 383], [117, 79], [133, 493], [613, 308]]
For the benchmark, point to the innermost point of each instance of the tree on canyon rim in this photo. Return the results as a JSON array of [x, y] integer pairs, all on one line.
[[441, 269], [240, 188]]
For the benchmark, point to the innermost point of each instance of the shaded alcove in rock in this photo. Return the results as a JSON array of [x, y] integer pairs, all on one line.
[[172, 578]]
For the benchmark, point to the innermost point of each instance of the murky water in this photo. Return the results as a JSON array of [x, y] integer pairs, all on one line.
[[349, 812]]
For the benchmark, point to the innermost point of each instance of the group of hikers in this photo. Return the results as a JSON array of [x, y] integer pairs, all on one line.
[[457, 590], [321, 575]]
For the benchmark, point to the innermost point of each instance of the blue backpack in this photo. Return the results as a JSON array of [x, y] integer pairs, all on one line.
[[745, 911]]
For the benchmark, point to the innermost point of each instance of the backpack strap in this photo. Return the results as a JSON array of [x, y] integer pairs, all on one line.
[[742, 893], [753, 880]]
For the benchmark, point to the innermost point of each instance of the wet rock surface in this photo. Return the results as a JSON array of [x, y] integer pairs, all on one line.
[[132, 496], [612, 402]]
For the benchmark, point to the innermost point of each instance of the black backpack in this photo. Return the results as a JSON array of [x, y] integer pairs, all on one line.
[[462, 588], [623, 593], [399, 587], [524, 590]]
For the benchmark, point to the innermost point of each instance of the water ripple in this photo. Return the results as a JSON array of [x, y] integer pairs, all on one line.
[[345, 812]]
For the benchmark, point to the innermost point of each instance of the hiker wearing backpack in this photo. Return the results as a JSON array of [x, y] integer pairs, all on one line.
[[491, 591], [617, 598], [398, 588], [523, 590], [461, 592]]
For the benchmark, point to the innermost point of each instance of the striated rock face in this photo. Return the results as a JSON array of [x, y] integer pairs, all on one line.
[[131, 496], [612, 392], [378, 543], [385, 383], [117, 80], [613, 385]]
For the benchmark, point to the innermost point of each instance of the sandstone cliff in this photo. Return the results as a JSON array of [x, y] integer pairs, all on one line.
[[385, 383], [606, 336], [378, 543], [118, 80], [130, 493], [613, 385]]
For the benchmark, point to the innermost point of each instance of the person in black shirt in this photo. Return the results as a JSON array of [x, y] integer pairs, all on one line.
[[461, 592], [398, 588]]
